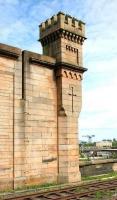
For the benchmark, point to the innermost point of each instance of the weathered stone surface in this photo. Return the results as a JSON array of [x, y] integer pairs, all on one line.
[[98, 167], [40, 102]]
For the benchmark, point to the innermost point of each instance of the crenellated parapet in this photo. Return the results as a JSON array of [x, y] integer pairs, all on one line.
[[62, 25]]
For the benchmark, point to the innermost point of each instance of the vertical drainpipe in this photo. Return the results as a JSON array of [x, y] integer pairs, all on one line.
[[59, 104], [23, 64], [57, 127], [13, 143], [57, 142], [13, 131]]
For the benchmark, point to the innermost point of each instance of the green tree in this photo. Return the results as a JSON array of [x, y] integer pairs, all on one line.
[[114, 143]]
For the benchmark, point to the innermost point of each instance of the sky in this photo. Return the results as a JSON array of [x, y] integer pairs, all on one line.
[[19, 20]]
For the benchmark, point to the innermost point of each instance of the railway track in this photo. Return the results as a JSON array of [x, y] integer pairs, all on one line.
[[83, 192]]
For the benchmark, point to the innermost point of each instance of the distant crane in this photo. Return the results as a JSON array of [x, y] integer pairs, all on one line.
[[89, 137]]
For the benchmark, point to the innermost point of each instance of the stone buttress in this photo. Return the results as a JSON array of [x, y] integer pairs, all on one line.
[[62, 37]]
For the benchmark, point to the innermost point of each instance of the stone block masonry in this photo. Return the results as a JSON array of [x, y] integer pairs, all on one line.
[[40, 102]]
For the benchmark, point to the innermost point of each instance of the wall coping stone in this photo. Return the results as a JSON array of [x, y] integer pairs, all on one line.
[[50, 62], [14, 53], [95, 162], [39, 57], [36, 58], [9, 51]]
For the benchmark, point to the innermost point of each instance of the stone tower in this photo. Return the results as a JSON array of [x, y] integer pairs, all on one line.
[[62, 37]]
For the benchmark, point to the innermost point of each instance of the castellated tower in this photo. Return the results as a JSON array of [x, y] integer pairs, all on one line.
[[62, 37]]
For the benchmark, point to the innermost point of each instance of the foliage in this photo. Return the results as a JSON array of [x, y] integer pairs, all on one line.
[[103, 194], [114, 143], [87, 144], [114, 155], [31, 187], [100, 177]]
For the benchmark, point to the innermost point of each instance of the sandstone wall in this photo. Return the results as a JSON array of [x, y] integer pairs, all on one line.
[[40, 102], [10, 115], [28, 119], [40, 123]]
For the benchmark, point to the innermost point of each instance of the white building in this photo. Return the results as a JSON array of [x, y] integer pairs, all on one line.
[[104, 144]]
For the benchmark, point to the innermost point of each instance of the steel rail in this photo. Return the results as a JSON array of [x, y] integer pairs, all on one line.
[[70, 193]]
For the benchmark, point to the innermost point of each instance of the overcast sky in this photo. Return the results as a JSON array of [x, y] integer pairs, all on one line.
[[19, 20]]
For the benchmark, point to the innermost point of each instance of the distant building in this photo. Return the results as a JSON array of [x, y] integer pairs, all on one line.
[[104, 144]]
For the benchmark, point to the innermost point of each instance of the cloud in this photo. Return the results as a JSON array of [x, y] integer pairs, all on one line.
[[99, 110], [11, 2], [19, 27]]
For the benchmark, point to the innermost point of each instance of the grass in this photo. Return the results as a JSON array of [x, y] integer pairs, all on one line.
[[46, 185], [100, 177], [50, 186], [29, 188], [103, 194]]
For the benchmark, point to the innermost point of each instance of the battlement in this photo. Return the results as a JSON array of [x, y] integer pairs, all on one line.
[[62, 21]]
